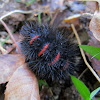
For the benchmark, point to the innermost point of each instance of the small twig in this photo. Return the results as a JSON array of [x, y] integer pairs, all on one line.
[[78, 16], [16, 11], [82, 73], [9, 32], [87, 14], [6, 41], [10, 49], [52, 21], [2, 50], [83, 55]]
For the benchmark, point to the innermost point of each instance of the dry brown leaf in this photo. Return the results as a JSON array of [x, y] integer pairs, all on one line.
[[95, 25], [91, 6], [22, 85], [57, 17], [85, 0], [8, 64], [95, 62]]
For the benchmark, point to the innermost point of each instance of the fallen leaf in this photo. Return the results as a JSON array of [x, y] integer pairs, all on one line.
[[57, 4], [95, 62], [57, 19], [22, 85], [95, 25], [91, 6], [8, 65], [73, 19]]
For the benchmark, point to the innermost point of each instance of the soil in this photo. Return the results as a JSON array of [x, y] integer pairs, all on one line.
[[53, 14]]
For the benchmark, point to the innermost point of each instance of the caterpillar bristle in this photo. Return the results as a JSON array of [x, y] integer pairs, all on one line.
[[48, 53]]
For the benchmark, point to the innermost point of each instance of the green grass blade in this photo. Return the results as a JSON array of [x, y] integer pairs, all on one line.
[[93, 93], [39, 18], [42, 82], [2, 43], [82, 89], [94, 51], [29, 3]]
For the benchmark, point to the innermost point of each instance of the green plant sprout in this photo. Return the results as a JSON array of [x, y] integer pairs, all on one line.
[[39, 18], [29, 3], [2, 43], [42, 82], [94, 51], [83, 90]]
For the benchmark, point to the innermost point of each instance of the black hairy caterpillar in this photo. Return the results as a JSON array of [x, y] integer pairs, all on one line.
[[48, 53]]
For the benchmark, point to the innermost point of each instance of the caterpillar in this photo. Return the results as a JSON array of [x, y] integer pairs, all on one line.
[[48, 53]]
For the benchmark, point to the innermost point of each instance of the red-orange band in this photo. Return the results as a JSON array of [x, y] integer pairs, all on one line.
[[45, 47], [56, 58], [34, 39], [66, 65]]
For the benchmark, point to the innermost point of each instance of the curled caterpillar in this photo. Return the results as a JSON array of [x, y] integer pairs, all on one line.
[[48, 53]]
